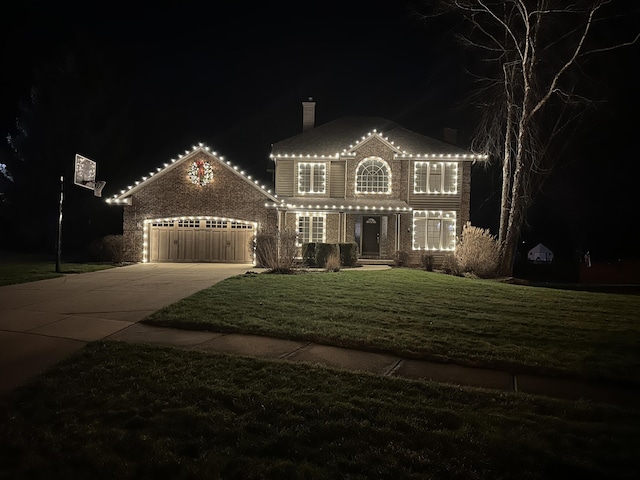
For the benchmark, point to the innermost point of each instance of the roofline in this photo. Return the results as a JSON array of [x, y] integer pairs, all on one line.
[[125, 196], [399, 151]]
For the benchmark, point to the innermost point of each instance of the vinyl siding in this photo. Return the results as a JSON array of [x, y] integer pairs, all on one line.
[[337, 180], [285, 177]]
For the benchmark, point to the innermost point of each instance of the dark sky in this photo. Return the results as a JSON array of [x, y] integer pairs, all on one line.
[[233, 75]]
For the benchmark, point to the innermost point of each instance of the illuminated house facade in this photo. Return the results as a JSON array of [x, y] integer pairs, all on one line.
[[357, 179], [368, 180], [198, 207]]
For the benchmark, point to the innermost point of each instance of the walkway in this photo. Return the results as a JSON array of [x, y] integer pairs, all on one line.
[[378, 363]]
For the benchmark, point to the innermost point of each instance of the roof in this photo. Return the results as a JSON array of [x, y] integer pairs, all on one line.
[[124, 198], [340, 204], [341, 135], [540, 248]]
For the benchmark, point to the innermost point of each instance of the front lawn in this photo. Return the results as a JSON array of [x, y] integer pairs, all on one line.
[[116, 410], [427, 315], [22, 269]]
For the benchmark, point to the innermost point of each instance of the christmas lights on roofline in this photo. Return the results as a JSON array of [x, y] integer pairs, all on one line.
[[149, 221], [375, 208], [118, 200], [404, 154]]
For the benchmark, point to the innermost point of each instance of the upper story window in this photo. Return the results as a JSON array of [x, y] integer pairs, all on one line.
[[373, 176], [435, 177], [312, 177]]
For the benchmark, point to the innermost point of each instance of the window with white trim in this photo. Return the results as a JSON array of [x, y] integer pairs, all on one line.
[[312, 177], [311, 227], [373, 176], [434, 230], [435, 177]]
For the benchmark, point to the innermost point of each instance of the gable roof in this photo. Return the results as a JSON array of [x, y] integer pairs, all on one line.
[[124, 198], [540, 248], [340, 136]]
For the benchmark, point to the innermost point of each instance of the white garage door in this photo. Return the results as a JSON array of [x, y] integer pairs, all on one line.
[[200, 241]]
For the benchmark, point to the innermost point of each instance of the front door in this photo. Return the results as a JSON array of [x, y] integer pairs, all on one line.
[[371, 236]]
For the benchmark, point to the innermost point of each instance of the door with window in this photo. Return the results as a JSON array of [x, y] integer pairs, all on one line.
[[371, 236]]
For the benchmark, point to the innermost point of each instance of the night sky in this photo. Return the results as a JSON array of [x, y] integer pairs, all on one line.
[[154, 80]]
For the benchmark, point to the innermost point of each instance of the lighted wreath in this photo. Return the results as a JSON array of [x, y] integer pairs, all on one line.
[[200, 173]]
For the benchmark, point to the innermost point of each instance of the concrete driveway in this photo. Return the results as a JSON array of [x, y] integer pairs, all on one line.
[[42, 322]]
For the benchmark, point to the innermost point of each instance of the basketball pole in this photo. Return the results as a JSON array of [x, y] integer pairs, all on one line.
[[59, 242]]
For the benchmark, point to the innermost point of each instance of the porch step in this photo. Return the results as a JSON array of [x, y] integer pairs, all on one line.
[[376, 261]]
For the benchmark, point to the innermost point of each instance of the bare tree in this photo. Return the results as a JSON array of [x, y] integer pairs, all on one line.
[[532, 56]]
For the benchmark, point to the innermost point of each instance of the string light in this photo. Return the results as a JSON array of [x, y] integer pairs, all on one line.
[[379, 208], [147, 223], [348, 152], [122, 199]]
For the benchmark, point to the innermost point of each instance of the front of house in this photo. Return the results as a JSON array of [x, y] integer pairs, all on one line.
[[368, 180], [357, 179]]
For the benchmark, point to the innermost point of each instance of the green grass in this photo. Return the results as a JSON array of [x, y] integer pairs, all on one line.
[[21, 269], [431, 316], [115, 410]]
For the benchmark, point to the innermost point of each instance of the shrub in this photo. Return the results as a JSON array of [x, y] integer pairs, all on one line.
[[309, 254], [324, 251], [401, 258], [477, 252], [450, 265], [333, 262], [348, 254], [109, 248], [275, 250], [426, 260]]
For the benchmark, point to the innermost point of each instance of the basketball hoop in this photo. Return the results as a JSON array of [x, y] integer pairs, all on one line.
[[99, 185], [85, 175]]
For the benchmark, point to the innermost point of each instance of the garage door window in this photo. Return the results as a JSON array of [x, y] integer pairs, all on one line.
[[241, 226], [188, 223], [216, 224]]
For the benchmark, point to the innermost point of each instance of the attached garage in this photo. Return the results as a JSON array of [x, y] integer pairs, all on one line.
[[200, 240], [196, 208]]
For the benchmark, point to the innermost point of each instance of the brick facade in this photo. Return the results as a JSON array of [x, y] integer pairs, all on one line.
[[171, 194]]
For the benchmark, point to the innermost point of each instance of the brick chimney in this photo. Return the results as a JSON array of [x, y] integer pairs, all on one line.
[[308, 114], [450, 135]]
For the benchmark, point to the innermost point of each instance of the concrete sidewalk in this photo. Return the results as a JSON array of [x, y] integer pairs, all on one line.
[[378, 363]]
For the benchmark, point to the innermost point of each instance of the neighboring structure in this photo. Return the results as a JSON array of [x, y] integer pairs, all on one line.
[[540, 254], [357, 179], [370, 181], [198, 208]]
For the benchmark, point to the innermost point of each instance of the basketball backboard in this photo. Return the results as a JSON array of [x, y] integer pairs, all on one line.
[[85, 175], [85, 172]]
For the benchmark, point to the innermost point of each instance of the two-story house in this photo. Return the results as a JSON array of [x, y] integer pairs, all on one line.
[[356, 179], [368, 180]]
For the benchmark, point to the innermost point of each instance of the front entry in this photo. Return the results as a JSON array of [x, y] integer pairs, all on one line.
[[371, 236]]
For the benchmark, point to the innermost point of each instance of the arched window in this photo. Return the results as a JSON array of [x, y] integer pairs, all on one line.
[[373, 176]]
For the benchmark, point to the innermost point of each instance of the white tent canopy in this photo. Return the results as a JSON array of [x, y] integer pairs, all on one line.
[[540, 253]]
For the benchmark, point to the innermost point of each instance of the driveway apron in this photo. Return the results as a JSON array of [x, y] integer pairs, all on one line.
[[42, 322]]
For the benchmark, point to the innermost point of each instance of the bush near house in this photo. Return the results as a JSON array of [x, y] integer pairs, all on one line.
[[401, 258], [348, 254], [109, 248], [324, 251], [316, 254], [275, 250], [309, 254], [476, 253]]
